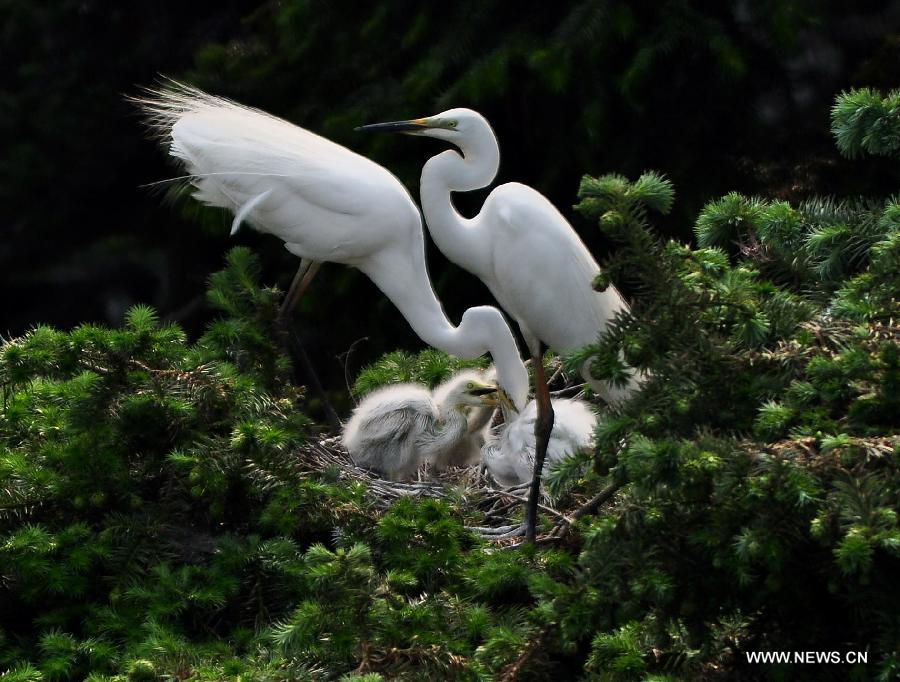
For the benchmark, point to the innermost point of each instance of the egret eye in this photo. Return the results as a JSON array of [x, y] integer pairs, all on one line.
[[470, 385], [452, 124]]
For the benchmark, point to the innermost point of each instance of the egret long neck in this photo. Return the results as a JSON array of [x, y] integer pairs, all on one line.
[[403, 277], [460, 239]]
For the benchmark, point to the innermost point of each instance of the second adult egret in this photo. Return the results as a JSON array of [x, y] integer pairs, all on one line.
[[521, 247], [397, 428], [326, 203]]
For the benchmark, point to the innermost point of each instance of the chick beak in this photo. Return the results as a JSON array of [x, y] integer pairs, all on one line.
[[489, 395]]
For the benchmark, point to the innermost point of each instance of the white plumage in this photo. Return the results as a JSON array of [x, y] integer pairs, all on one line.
[[519, 245], [326, 203], [509, 453], [396, 429]]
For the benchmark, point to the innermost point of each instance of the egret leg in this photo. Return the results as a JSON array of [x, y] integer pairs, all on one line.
[[299, 354], [543, 426], [305, 273]]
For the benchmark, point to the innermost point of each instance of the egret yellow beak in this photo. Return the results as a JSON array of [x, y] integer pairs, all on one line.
[[411, 126]]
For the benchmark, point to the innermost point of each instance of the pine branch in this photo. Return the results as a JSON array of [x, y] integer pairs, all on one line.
[[532, 649]]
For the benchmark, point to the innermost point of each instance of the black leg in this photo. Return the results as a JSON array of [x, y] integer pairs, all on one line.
[[543, 426], [305, 273]]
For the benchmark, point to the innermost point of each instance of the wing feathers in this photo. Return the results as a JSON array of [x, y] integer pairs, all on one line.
[[234, 153]]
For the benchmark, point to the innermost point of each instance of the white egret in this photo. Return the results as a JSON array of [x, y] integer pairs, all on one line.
[[326, 203], [510, 452], [397, 428], [522, 248]]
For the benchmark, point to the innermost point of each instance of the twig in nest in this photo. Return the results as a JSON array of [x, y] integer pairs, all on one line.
[[562, 527], [575, 391], [549, 510]]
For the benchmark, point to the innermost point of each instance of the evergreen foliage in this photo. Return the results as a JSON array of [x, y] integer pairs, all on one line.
[[429, 367], [758, 465], [157, 520]]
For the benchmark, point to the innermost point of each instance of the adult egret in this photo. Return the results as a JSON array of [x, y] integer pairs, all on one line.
[[522, 248], [509, 454], [397, 428], [326, 203]]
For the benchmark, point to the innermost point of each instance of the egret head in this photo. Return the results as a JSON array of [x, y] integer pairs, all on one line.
[[453, 125]]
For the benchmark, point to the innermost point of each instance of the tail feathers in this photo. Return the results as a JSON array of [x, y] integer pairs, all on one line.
[[208, 190]]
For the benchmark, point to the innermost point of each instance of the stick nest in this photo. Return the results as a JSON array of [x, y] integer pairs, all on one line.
[[498, 511]]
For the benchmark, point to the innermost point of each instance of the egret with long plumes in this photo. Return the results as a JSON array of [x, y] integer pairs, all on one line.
[[326, 203]]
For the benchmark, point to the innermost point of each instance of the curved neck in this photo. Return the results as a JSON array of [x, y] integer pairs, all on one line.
[[459, 238], [404, 279]]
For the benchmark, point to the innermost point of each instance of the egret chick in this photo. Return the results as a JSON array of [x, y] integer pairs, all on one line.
[[397, 428], [509, 455], [467, 452]]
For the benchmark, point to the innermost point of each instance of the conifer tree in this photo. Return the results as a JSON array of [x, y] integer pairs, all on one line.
[[758, 486], [160, 517]]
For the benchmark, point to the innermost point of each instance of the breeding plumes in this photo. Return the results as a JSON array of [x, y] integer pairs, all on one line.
[[522, 248], [326, 203], [509, 454], [396, 429]]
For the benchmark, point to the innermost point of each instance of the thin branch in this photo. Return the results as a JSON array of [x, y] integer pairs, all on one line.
[[512, 672], [345, 358], [549, 510], [591, 505]]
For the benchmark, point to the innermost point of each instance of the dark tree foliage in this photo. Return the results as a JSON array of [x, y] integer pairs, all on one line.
[[81, 240], [759, 499], [159, 520]]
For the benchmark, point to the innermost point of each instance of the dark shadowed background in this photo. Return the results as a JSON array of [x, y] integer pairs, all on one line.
[[717, 95]]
